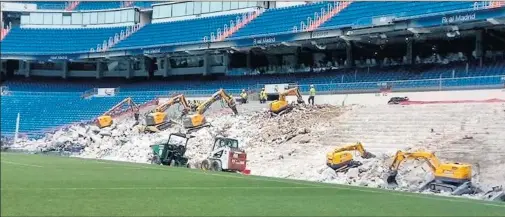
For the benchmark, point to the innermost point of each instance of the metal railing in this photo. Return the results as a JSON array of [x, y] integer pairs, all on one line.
[[408, 85]]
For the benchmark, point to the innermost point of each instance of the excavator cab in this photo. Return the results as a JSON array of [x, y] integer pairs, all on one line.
[[198, 120], [282, 106], [341, 159], [158, 120], [106, 120]]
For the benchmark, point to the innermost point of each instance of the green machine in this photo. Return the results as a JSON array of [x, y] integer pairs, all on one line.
[[172, 152]]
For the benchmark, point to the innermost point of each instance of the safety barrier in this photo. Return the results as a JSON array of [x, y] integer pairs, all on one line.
[[497, 81]]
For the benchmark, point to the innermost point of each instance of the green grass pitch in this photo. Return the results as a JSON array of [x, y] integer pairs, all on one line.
[[35, 185]]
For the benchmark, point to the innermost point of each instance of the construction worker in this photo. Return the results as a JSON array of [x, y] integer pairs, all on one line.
[[263, 96], [243, 96], [312, 92]]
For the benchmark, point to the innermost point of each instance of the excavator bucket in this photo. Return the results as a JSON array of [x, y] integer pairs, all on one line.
[[234, 108], [368, 155], [391, 179]]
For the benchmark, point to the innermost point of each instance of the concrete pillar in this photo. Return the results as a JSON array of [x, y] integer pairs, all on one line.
[[226, 61], [410, 53], [64, 70], [349, 57], [99, 69], [27, 68], [206, 64], [129, 72], [297, 57], [167, 66], [248, 59], [479, 51]]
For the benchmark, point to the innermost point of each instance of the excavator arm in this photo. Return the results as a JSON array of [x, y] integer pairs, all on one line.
[[197, 120], [220, 94], [105, 120], [356, 147], [176, 99], [128, 101], [401, 156], [290, 92]]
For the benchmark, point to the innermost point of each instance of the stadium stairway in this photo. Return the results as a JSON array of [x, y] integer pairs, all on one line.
[[247, 18], [117, 37], [4, 32], [192, 30], [72, 5], [323, 17], [273, 21], [393, 127]]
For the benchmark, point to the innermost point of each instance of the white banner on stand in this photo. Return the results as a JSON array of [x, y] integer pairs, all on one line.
[[105, 92]]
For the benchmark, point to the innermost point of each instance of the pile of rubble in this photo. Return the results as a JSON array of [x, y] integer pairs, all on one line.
[[293, 145]]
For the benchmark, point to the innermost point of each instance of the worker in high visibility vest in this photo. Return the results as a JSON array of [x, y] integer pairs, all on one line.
[[312, 92], [243, 96]]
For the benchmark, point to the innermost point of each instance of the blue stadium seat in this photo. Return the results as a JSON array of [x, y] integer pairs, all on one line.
[[274, 21], [193, 30], [51, 41], [361, 13]]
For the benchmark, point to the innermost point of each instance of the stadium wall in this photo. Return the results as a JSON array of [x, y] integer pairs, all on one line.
[[381, 99]]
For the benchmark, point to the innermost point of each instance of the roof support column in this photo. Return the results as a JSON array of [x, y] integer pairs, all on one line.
[[64, 69]]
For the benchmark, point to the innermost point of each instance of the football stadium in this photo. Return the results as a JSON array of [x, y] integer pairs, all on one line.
[[252, 108]]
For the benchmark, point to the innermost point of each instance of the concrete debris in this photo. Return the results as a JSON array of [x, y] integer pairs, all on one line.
[[294, 145]]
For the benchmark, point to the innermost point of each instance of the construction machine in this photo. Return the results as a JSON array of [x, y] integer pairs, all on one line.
[[341, 159], [281, 106], [197, 120], [449, 177], [105, 120], [225, 156], [172, 152], [158, 120]]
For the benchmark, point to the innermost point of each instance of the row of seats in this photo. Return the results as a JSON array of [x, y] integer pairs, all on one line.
[[50, 41], [46, 41], [397, 73], [48, 110], [177, 32]]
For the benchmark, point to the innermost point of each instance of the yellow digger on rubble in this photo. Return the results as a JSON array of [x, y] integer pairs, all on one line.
[[450, 177], [105, 120], [158, 119], [282, 106], [197, 120], [341, 159]]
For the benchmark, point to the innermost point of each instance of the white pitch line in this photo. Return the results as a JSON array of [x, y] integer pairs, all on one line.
[[163, 188], [21, 164]]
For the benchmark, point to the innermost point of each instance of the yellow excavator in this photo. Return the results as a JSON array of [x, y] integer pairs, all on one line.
[[158, 120], [197, 120], [105, 120], [341, 159], [282, 106], [449, 177]]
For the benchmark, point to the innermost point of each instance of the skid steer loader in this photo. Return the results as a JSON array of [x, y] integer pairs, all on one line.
[[172, 152], [225, 156]]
